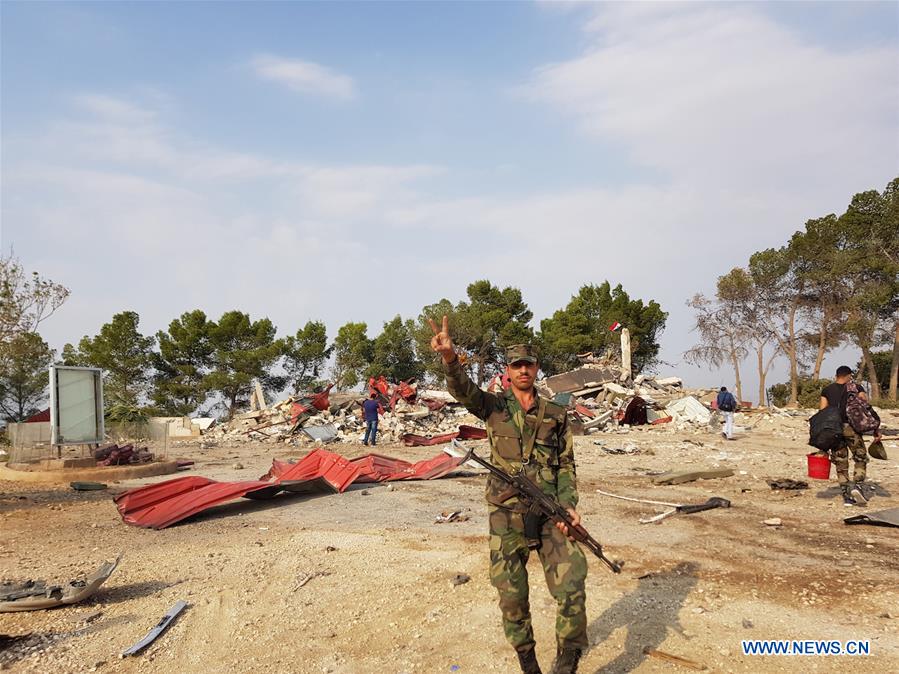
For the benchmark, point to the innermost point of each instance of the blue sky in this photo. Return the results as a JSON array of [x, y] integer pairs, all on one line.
[[286, 158]]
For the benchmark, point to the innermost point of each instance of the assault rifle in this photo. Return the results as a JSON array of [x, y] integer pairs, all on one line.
[[521, 486]]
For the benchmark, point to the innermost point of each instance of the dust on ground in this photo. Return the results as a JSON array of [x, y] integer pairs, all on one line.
[[363, 581]]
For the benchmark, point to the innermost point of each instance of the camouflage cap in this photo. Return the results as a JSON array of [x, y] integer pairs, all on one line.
[[518, 352]]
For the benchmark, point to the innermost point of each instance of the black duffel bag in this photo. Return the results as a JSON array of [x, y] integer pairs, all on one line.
[[826, 429]]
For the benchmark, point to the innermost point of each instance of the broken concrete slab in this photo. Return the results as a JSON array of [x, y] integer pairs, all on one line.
[[584, 377]]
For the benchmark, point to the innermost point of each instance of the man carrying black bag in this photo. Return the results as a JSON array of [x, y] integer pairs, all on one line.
[[837, 395]]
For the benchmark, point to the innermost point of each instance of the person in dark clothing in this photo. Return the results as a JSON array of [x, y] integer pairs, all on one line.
[[727, 403], [370, 414], [835, 395]]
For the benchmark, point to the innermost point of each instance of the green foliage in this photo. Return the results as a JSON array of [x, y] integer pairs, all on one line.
[[422, 334], [352, 354], [305, 354], [492, 319], [883, 360], [120, 413], [182, 363], [809, 392], [243, 351], [124, 355], [23, 377], [583, 325], [394, 354]]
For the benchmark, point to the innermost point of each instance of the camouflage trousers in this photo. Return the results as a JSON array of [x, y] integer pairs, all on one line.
[[840, 457], [565, 569]]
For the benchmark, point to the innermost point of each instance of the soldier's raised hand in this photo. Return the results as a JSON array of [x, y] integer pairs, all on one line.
[[441, 341]]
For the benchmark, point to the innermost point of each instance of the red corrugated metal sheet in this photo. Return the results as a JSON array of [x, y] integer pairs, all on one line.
[[160, 505], [378, 468], [184, 501], [433, 468]]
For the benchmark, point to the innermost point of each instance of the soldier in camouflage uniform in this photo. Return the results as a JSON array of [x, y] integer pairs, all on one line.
[[527, 433]]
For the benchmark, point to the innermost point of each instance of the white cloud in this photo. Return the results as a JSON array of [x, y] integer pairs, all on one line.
[[304, 76], [722, 95]]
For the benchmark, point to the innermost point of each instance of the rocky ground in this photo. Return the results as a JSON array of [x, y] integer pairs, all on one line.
[[366, 581]]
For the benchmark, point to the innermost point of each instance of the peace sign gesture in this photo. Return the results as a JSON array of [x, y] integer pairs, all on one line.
[[441, 341]]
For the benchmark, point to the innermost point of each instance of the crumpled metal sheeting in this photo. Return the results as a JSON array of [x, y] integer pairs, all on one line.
[[172, 502], [380, 468], [160, 505]]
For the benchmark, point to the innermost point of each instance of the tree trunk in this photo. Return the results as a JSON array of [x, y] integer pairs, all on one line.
[[761, 364], [894, 367], [872, 374], [738, 387], [822, 342], [794, 369]]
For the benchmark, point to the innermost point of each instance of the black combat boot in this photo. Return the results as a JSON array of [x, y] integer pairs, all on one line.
[[528, 661], [566, 661], [847, 497]]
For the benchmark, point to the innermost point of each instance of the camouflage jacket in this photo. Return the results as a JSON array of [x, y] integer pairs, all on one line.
[[551, 464]]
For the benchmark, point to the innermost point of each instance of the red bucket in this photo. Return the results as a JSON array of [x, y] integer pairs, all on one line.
[[818, 466]]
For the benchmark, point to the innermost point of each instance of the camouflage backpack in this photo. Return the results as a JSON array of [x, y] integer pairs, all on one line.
[[861, 415]]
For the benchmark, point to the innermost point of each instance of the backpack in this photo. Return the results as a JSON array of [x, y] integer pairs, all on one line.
[[729, 404], [826, 429], [861, 415]]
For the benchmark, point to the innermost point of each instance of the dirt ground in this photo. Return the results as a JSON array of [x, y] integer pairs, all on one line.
[[362, 581]]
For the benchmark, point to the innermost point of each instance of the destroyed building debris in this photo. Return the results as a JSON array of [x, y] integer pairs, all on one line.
[[600, 397], [434, 417]]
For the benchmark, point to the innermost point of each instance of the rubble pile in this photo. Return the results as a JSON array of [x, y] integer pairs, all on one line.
[[434, 413], [597, 395]]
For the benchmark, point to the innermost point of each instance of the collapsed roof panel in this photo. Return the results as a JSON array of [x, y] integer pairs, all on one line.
[[160, 505]]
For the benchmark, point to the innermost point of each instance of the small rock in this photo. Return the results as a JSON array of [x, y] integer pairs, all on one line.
[[747, 624], [237, 466], [460, 579], [365, 492], [773, 522]]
